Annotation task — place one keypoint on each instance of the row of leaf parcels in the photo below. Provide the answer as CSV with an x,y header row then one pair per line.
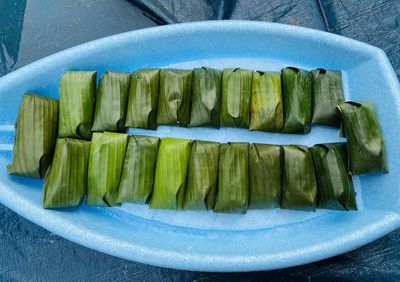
x,y
288,101
197,175
233,97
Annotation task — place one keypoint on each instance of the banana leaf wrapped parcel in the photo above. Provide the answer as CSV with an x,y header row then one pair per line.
x,y
233,178
365,144
299,181
174,97
203,176
206,97
143,99
265,176
171,174
77,103
137,177
297,100
66,182
335,186
111,102
235,99
106,160
327,95
35,136
266,102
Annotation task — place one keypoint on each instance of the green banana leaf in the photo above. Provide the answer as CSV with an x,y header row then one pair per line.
x,y
174,97
265,176
77,102
203,176
143,99
106,160
137,177
235,98
366,148
299,181
297,100
266,102
206,97
327,94
111,102
233,178
35,136
66,181
335,186
171,174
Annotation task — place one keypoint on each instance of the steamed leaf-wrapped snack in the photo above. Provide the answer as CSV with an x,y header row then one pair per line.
x,y
206,97
143,99
137,176
327,94
77,101
366,148
111,102
335,186
235,98
174,97
203,176
233,178
66,181
297,100
265,176
266,102
299,182
35,136
171,174
106,160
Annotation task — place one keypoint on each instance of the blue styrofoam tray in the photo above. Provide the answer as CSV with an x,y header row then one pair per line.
x,y
261,239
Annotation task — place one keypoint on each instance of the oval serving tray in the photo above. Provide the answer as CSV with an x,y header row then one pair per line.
x,y
260,239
